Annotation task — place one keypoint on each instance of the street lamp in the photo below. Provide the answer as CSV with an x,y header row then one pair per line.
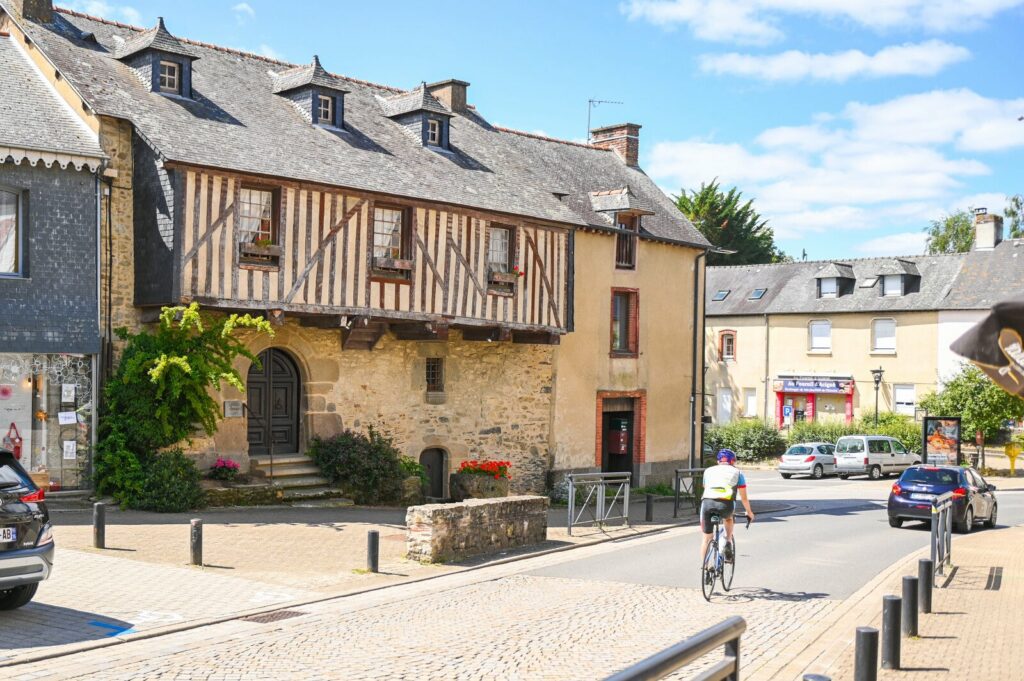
x,y
877,375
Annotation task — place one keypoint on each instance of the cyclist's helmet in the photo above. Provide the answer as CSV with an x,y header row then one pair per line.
x,y
726,456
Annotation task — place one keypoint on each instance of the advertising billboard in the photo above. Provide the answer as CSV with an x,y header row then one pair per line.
x,y
942,441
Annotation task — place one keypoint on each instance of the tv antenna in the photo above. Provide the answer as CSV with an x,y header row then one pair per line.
x,y
593,104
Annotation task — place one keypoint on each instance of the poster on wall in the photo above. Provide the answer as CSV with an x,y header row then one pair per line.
x,y
67,393
16,419
70,449
942,441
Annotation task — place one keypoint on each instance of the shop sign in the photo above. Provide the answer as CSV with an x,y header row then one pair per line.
x,y
813,385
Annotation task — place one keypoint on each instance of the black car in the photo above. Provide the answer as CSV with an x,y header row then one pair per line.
x,y
26,537
973,498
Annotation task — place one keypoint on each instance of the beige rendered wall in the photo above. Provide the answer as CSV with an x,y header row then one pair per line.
x,y
746,371
664,278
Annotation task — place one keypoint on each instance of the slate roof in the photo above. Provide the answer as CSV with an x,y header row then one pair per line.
x,y
156,38
416,100
897,266
987,277
792,290
835,269
614,200
32,116
302,76
238,123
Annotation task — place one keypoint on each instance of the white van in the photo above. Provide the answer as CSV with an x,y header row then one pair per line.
x,y
872,455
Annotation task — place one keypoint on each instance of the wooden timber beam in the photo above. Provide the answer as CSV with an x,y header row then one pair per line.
x,y
420,331
536,337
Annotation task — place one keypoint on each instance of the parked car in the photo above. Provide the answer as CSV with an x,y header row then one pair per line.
x,y
815,459
26,537
872,455
973,499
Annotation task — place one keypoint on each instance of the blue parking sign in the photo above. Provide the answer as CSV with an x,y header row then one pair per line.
x,y
787,411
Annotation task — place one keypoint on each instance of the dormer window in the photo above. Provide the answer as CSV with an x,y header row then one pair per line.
x,y
434,132
892,285
325,110
170,77
828,287
625,243
317,95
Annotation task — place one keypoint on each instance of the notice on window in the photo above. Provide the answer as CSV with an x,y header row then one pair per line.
x,y
67,418
67,392
70,449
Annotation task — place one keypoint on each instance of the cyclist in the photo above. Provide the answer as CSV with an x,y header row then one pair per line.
x,y
719,498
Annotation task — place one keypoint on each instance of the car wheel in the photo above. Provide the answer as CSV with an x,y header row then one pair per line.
x,y
786,476
991,522
917,463
18,596
968,523
817,472
895,522
844,476
875,473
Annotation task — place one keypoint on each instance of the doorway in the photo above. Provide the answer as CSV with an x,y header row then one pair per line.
x,y
725,406
617,442
433,460
272,394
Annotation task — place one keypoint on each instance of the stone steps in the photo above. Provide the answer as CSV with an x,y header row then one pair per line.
x,y
299,478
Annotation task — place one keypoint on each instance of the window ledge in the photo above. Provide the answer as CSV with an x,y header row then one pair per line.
x,y
618,354
436,397
884,353
259,267
825,353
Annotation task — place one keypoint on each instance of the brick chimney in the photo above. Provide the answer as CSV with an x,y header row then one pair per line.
x,y
451,93
988,230
623,139
40,11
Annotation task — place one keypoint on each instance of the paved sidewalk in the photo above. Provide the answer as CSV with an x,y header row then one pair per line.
x,y
971,632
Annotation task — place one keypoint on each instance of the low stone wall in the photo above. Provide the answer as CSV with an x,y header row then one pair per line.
x,y
446,532
244,495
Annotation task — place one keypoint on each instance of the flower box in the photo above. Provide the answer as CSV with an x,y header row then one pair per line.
x,y
464,486
503,277
403,264
258,251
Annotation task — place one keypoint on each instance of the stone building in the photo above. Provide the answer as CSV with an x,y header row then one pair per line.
x,y
50,165
799,341
470,290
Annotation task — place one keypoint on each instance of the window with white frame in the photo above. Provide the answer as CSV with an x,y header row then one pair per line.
x,y
434,132
728,349
892,285
499,256
820,335
829,287
750,402
170,77
387,233
256,216
904,398
325,110
883,335
10,234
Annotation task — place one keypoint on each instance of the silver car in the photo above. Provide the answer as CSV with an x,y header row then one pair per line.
x,y
815,459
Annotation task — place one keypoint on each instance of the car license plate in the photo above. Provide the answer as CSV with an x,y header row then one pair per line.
x,y
8,534
922,497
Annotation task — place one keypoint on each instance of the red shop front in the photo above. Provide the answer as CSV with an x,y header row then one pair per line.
x,y
803,398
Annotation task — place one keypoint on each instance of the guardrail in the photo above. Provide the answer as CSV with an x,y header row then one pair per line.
x,y
594,487
690,489
661,664
942,532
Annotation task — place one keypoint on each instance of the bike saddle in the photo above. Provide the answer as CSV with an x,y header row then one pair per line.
x,y
715,518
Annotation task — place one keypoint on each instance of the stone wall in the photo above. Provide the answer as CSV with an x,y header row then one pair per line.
x,y
447,532
244,495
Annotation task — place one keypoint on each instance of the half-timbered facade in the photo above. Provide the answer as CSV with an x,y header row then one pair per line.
x,y
419,264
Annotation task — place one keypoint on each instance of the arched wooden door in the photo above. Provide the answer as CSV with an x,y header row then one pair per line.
x,y
272,391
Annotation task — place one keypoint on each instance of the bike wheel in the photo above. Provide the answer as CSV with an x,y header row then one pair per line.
x,y
729,567
708,571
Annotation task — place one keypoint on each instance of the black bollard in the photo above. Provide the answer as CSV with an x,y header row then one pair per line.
x,y
195,542
925,580
99,525
865,664
650,508
910,607
373,551
891,632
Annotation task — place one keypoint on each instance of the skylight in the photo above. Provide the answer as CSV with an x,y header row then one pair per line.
x,y
869,282
757,294
721,295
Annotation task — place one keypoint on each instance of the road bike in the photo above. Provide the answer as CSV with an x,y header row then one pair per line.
x,y
715,566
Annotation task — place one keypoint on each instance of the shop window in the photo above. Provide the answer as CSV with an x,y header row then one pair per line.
x,y
820,336
11,234
883,336
625,313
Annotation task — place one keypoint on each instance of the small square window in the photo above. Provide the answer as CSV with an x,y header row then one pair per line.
x,y
170,77
434,132
435,374
757,294
892,285
721,295
325,110
829,287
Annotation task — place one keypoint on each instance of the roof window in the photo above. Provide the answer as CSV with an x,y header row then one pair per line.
x,y
869,282
721,295
757,294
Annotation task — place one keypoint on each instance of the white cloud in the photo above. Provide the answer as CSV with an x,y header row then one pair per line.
x,y
911,59
757,21
101,8
903,243
243,11
270,52
993,201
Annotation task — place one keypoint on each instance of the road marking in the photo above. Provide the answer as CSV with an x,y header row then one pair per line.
x,y
115,629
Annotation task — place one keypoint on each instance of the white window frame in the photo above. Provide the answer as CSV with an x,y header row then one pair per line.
x,y
729,355
750,402
876,347
811,347
433,132
499,248
14,249
170,77
907,407
887,282
834,290
329,101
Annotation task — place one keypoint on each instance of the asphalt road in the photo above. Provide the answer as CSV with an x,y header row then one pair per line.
x,y
833,541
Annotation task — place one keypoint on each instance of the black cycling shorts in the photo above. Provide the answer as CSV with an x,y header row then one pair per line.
x,y
709,507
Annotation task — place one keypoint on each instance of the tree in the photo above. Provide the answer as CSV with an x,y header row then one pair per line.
x,y
729,224
1014,214
977,400
953,233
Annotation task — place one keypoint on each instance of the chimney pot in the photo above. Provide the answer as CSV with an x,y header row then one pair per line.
x,y
988,230
40,11
451,93
623,139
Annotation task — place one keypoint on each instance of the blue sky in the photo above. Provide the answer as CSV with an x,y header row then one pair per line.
x,y
851,123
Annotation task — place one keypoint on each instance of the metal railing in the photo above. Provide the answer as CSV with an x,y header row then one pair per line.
x,y
594,487
725,634
942,532
690,489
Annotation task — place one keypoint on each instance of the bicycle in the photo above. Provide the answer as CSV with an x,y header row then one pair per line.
x,y
715,566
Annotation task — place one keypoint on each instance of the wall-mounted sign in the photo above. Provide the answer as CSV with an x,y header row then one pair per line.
x,y
67,418
233,409
829,386
942,441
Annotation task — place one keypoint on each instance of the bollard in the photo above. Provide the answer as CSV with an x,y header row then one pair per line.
x,y
195,542
373,551
865,666
891,632
910,607
99,525
925,580
650,508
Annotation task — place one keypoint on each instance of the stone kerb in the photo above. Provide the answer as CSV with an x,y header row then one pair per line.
x,y
447,532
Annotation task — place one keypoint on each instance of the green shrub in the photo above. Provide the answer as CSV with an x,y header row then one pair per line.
x,y
411,467
118,471
899,426
751,439
171,484
366,467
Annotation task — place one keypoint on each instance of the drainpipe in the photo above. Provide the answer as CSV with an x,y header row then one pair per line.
x,y
767,372
698,293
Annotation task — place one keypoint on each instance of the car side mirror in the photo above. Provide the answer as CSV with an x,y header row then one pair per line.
x,y
991,488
